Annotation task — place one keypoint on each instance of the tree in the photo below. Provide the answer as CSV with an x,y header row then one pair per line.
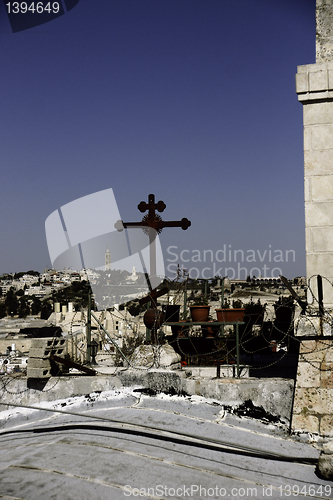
x,y
46,310
3,311
36,306
23,309
11,302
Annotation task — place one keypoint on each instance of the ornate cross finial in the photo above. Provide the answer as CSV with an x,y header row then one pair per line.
x,y
153,221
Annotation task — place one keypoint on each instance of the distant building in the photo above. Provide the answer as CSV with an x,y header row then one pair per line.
x,y
107,260
133,276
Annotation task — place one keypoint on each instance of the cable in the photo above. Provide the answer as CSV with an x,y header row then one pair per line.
x,y
171,436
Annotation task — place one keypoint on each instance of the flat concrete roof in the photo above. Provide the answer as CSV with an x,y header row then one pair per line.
x,y
118,444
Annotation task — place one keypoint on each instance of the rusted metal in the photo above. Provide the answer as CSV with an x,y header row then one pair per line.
x,y
153,295
152,221
320,295
302,303
71,364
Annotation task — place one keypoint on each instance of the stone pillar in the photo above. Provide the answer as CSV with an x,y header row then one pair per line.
x,y
314,86
313,401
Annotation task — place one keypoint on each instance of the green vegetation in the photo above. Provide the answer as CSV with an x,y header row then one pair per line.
x,y
23,308
22,273
134,307
11,302
77,293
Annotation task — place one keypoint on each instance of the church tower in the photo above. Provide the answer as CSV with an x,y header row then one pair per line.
x,y
107,260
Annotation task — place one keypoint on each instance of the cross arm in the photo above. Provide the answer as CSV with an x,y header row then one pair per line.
x,y
153,295
184,223
120,225
156,224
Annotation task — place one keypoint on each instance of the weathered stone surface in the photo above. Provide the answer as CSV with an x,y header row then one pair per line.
x,y
322,188
316,162
314,85
328,447
317,113
324,30
305,423
39,352
318,80
308,375
307,326
321,136
39,363
313,401
314,82
38,373
42,348
318,214
329,351
226,371
326,375
312,350
154,356
325,467
273,395
310,400
326,425
49,342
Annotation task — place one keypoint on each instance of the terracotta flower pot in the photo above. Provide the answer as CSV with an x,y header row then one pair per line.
x,y
230,315
200,313
172,313
153,318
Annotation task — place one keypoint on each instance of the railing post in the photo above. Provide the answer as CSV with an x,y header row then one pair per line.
x,y
237,349
88,327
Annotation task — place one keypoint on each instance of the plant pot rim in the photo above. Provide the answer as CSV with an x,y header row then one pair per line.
x,y
201,306
231,309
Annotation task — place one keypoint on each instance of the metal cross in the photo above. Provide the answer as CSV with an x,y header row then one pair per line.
x,y
152,224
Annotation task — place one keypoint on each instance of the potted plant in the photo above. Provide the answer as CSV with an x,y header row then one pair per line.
x,y
200,309
284,309
231,315
178,287
254,313
172,312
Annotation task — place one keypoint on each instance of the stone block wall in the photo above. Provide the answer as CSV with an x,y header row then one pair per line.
x,y
314,86
313,401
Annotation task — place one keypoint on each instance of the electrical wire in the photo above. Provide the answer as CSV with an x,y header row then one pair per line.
x,y
143,430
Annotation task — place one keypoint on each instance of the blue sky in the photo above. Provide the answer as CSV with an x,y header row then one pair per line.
x,y
192,100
